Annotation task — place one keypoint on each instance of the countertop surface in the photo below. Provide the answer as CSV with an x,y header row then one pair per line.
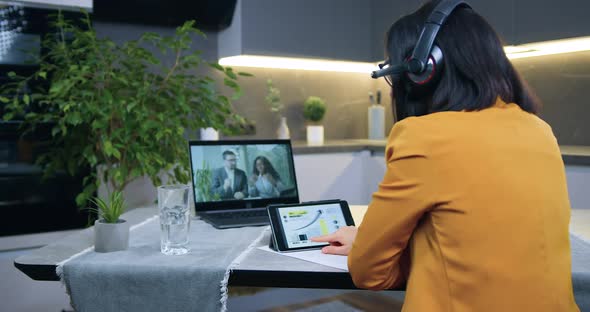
x,y
339,146
572,155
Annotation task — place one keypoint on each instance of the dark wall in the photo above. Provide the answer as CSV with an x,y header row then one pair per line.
x,y
516,21
336,29
562,82
120,32
346,94
384,13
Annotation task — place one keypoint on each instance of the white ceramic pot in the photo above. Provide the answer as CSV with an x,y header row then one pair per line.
x,y
209,134
111,236
315,135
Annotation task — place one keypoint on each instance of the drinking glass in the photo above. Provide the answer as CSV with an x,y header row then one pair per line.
x,y
174,219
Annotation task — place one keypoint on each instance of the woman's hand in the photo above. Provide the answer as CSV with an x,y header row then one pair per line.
x,y
252,180
340,241
270,179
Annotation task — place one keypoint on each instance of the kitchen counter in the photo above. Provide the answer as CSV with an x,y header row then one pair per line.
x,y
572,155
339,146
575,155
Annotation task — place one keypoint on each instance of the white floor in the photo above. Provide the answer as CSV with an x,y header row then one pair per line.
x,y
19,293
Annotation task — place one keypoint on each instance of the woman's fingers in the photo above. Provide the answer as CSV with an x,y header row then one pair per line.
x,y
326,238
340,241
336,250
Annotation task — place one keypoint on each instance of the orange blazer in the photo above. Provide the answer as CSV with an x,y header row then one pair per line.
x,y
472,215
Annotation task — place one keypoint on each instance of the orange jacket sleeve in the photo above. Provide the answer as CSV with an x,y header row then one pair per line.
x,y
404,195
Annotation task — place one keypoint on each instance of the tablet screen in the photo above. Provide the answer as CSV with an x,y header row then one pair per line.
x,y
302,223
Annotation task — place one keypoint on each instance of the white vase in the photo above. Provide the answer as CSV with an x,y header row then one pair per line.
x,y
111,236
209,134
315,135
283,132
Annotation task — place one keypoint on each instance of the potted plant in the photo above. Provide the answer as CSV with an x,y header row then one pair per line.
x,y
116,110
273,99
111,233
314,109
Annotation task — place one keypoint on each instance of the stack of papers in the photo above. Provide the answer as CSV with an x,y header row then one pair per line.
x,y
316,256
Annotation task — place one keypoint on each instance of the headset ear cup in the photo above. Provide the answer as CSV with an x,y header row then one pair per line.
x,y
433,70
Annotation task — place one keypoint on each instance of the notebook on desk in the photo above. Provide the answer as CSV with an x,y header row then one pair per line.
x,y
234,181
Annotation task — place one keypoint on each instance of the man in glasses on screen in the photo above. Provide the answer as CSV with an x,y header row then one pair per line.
x,y
228,181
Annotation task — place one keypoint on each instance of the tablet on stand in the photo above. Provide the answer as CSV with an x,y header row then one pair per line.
x,y
293,225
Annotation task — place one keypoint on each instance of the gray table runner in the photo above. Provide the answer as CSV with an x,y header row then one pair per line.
x,y
143,279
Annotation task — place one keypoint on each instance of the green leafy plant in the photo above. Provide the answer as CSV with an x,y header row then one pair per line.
x,y
109,211
273,98
117,109
314,109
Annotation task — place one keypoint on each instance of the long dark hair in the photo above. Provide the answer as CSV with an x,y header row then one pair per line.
x,y
476,70
267,166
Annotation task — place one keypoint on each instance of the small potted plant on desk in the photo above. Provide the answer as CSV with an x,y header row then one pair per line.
x,y
314,109
111,233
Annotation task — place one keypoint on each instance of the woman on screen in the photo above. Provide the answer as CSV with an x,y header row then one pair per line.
x,y
265,181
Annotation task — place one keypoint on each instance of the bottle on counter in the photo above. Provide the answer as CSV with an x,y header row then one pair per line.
x,y
376,117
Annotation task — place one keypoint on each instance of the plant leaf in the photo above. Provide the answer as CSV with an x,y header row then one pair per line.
x,y
216,66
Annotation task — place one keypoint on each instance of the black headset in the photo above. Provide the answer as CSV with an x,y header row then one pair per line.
x,y
425,65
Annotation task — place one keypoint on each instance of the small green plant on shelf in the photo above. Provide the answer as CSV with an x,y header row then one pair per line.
x,y
273,98
314,109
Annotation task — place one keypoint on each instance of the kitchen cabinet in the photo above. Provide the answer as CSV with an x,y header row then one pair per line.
x,y
516,21
355,30
383,14
330,29
500,14
541,20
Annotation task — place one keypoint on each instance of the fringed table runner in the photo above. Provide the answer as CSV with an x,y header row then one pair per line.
x,y
143,279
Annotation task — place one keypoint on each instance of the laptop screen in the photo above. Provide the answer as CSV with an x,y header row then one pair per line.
x,y
242,174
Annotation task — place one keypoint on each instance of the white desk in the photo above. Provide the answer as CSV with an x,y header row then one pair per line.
x,y
259,268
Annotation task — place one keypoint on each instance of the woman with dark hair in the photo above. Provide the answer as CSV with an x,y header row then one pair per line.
x,y
265,181
473,211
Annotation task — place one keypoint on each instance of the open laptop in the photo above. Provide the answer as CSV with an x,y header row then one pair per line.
x,y
234,181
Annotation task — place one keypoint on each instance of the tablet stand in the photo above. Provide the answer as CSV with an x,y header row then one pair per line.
x,y
271,244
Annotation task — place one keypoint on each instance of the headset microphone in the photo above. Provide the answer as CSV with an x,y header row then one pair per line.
x,y
390,71
423,68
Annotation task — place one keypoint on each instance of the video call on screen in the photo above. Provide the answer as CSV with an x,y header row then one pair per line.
x,y
242,172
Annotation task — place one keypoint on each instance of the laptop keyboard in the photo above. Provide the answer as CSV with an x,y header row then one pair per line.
x,y
241,214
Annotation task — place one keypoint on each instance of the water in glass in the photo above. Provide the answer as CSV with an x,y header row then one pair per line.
x,y
174,219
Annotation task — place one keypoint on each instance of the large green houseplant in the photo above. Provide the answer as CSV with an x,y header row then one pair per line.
x,y
117,109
